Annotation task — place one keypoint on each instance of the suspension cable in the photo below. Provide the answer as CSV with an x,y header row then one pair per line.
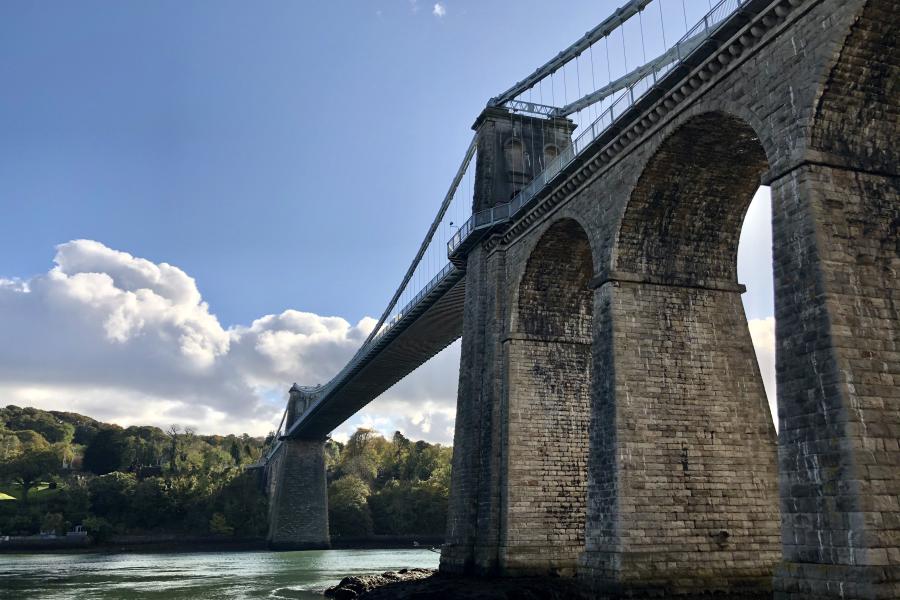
x,y
424,245
643,46
662,24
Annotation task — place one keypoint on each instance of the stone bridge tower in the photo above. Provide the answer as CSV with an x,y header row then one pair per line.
x,y
297,487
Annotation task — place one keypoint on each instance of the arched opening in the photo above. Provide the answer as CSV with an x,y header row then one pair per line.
x,y
686,411
683,220
549,357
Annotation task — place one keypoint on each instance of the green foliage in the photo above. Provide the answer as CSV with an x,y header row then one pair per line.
x,y
244,505
218,525
106,452
74,501
30,440
235,451
395,487
348,507
143,479
112,494
53,522
31,468
149,479
85,427
99,528
51,428
21,524
152,504
409,508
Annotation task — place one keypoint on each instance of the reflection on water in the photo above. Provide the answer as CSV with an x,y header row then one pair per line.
x,y
195,576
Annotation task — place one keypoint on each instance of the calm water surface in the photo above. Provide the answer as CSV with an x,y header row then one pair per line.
x,y
202,575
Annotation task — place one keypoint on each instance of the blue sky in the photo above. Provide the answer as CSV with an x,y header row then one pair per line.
x,y
283,154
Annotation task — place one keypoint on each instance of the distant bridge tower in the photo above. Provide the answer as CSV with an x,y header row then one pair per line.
x,y
297,488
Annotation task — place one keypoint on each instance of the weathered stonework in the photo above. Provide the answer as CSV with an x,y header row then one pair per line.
x,y
837,304
681,476
298,496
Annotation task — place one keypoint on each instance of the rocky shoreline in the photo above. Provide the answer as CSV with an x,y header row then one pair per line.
x,y
428,584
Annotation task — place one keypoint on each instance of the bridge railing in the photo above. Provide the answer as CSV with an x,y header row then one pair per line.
x,y
364,353
633,93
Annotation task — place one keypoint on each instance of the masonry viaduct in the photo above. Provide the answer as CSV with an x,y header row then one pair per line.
x,y
611,420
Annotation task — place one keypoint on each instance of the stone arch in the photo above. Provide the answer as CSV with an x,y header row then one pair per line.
x,y
549,375
683,220
679,403
538,273
855,115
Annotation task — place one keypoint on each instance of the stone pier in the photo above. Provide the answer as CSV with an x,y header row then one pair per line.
x,y
298,496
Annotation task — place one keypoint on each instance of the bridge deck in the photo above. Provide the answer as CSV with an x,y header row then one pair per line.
x,y
429,326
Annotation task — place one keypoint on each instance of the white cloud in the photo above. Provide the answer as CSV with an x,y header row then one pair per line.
x,y
763,333
126,340
439,9
123,339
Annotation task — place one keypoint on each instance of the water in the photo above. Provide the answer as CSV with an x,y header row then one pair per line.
x,y
297,575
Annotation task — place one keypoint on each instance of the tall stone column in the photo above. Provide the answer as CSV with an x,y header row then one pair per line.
x,y
682,484
473,527
837,306
512,149
298,497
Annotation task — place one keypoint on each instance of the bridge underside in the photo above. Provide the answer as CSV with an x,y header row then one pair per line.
x,y
436,324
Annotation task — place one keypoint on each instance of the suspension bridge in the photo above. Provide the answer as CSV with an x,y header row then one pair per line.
x,y
611,419
425,313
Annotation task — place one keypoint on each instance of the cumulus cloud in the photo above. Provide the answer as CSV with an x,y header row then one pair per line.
x,y
124,339
439,9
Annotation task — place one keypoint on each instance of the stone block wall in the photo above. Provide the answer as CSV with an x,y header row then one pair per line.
x,y
298,497
683,447
546,448
837,263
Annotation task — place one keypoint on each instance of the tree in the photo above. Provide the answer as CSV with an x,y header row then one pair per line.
x,y
358,458
51,428
348,507
31,440
106,452
244,505
111,495
235,452
31,468
179,439
218,525
99,528
53,523
152,503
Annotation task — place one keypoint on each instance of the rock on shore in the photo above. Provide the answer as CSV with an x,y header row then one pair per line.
x,y
354,587
427,584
